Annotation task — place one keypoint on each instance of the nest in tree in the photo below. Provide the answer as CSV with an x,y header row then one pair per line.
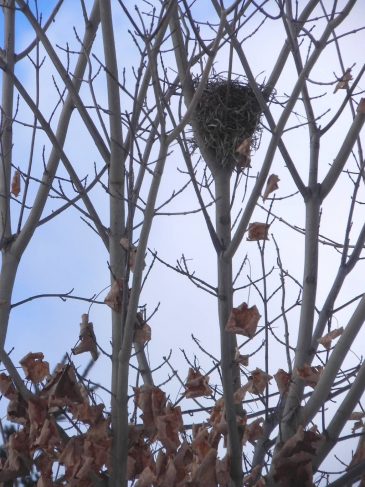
x,y
227,114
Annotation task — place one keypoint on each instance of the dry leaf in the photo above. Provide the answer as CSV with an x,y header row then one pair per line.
x,y
310,375
240,393
204,474
132,249
356,416
243,320
361,106
343,82
168,427
114,297
326,340
15,184
87,338
62,388
252,476
146,479
34,368
243,153
152,401
37,412
356,426
197,384
222,471
283,380
258,231
7,387
241,359
17,410
271,185
142,333
253,431
258,381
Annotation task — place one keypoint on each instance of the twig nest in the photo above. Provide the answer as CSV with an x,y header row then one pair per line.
x,y
227,117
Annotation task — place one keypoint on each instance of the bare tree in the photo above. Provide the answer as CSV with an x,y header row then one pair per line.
x,y
245,115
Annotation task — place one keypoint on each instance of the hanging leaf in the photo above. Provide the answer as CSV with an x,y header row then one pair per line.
x,y
15,184
62,388
310,375
356,415
243,153
204,474
271,185
142,333
326,340
146,479
152,401
241,359
87,338
37,412
132,249
222,471
258,231
34,368
7,387
283,380
197,384
343,83
253,431
17,411
258,381
243,320
114,297
168,427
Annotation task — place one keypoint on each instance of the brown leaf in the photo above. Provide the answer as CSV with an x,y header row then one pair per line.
x,y
252,477
152,401
241,359
326,340
310,375
271,185
37,412
243,153
343,82
34,368
7,387
15,184
356,415
17,410
197,384
204,474
243,320
258,231
142,333
361,106
71,456
86,413
124,242
62,388
222,471
356,426
283,380
168,426
169,477
240,393
146,479
258,381
200,443
114,297
253,431
49,439
87,338
18,451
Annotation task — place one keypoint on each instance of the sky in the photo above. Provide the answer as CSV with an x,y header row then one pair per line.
x,y
65,254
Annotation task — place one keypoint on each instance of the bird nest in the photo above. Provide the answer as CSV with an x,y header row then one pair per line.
x,y
227,116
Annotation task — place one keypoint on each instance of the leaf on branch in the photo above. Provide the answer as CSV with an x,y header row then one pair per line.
x,y
271,185
241,359
86,413
168,426
146,479
343,82
243,320
243,153
114,297
310,375
34,368
132,249
166,472
253,476
258,381
18,451
152,401
17,410
222,471
15,184
283,380
37,412
200,443
253,431
258,231
240,393
142,333
197,384
356,426
139,457
204,474
361,106
7,387
326,340
49,439
87,338
62,388
71,456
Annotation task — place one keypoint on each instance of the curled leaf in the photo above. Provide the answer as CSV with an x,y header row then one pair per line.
x,y
34,368
243,320
114,297
258,381
87,338
258,231
326,340
282,379
243,153
197,384
343,82
7,387
271,185
142,333
310,375
132,249
241,359
253,431
15,184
